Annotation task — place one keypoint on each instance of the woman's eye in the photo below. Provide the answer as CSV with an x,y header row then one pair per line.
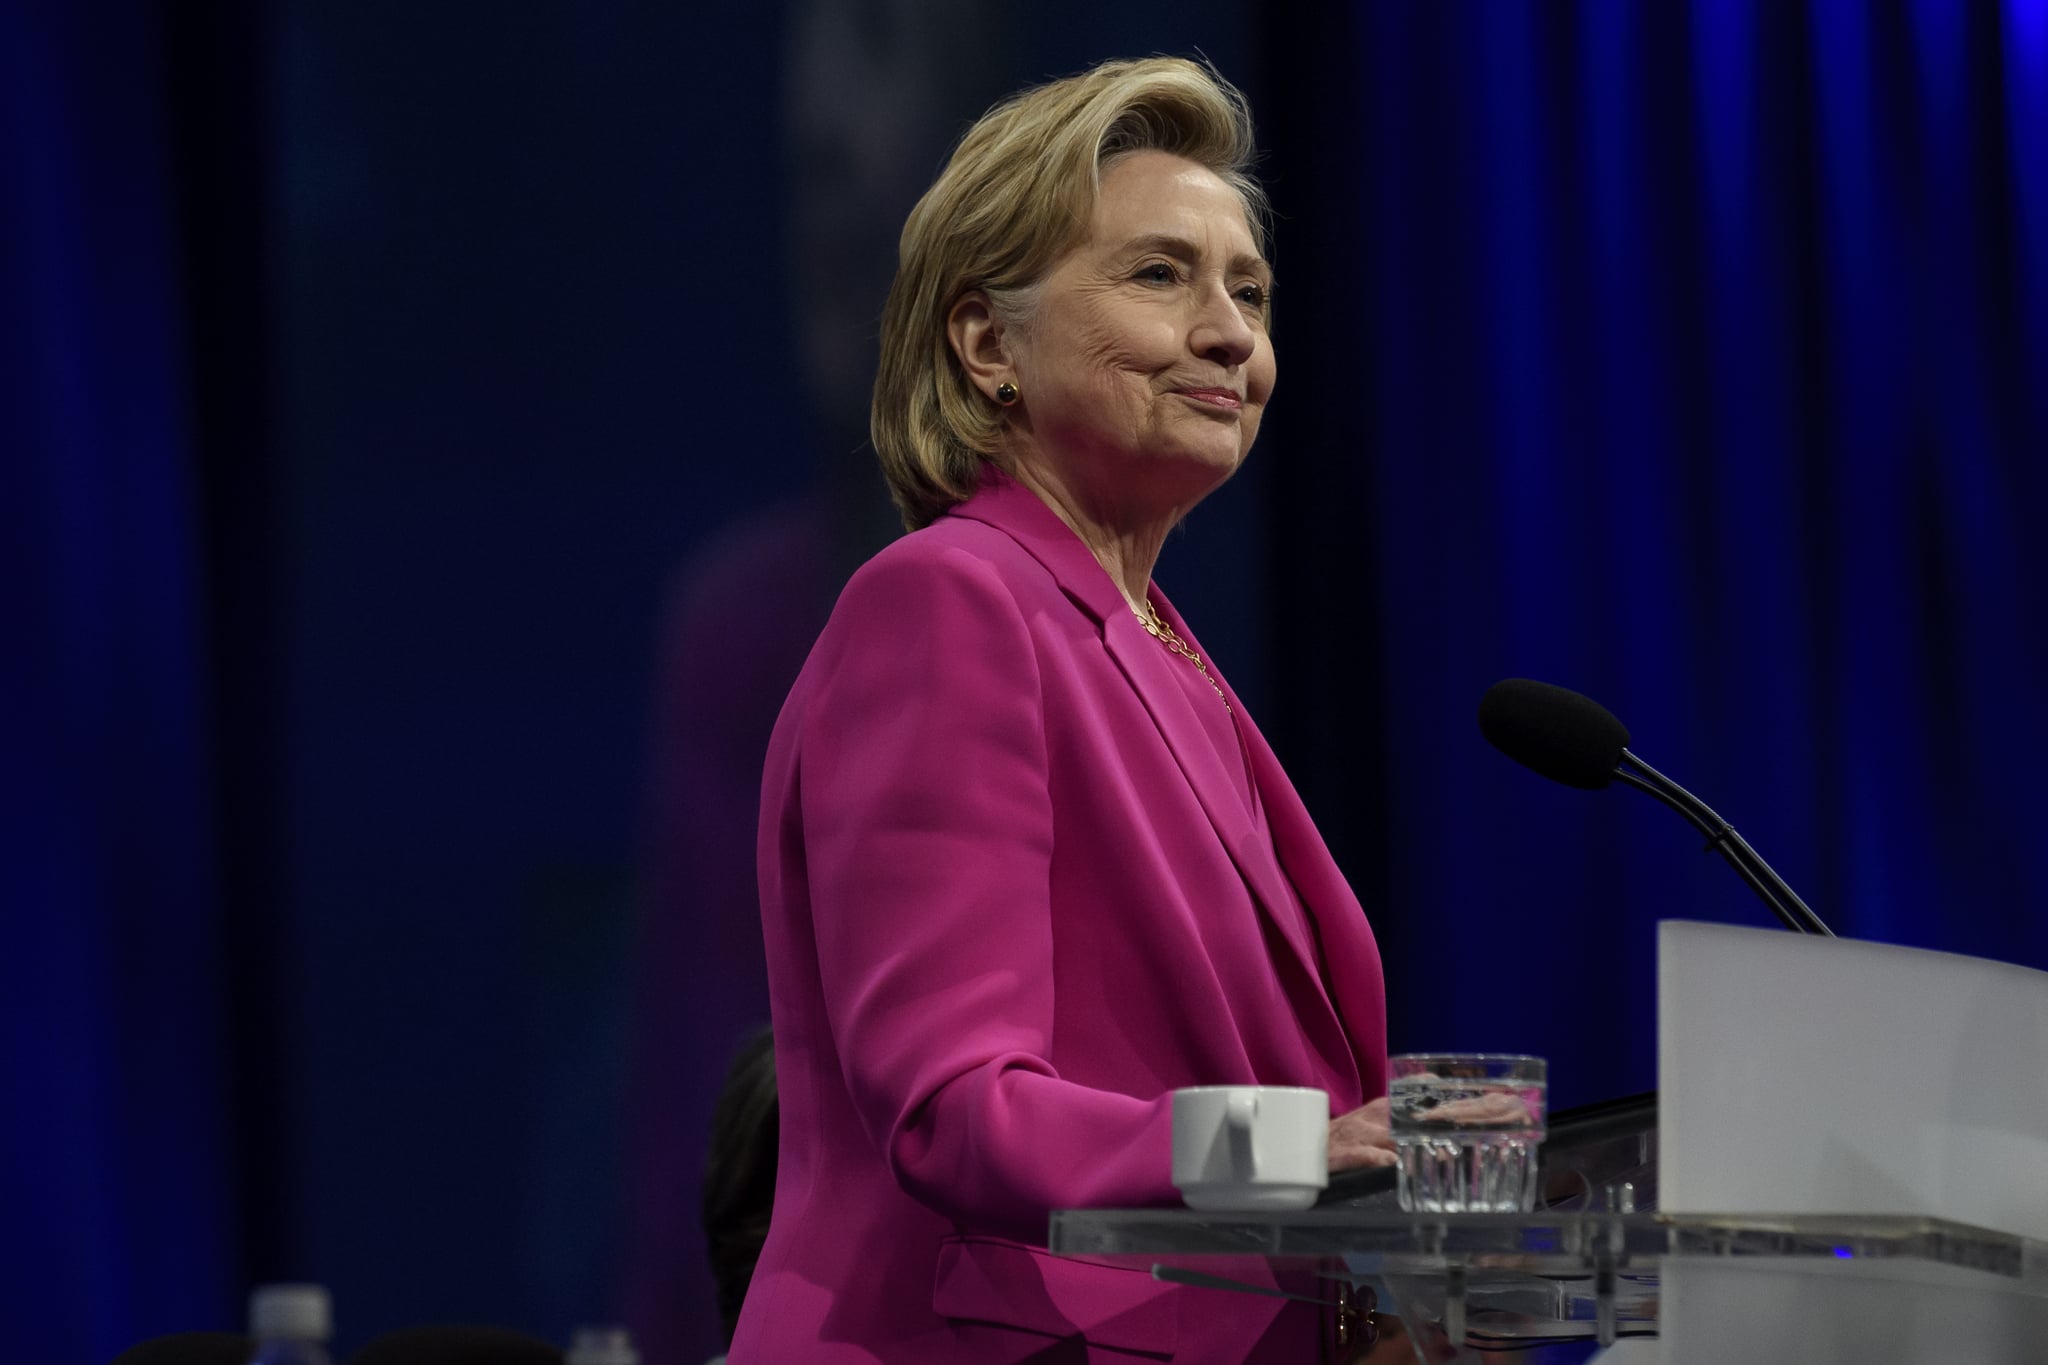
x,y
1158,272
1252,296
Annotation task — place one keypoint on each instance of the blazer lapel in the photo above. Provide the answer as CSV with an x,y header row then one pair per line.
x,y
1017,511
1150,665
1356,985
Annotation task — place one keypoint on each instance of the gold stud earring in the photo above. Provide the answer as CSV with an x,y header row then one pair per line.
x,y
1006,393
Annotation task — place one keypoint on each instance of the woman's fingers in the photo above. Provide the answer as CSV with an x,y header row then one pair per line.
x,y
1361,1138
1495,1107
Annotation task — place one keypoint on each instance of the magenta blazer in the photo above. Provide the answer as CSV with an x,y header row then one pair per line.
x,y
1012,900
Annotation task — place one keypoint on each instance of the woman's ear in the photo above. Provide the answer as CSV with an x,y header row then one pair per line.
x,y
981,342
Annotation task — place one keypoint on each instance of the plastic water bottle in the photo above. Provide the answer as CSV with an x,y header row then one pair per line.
x,y
601,1346
291,1324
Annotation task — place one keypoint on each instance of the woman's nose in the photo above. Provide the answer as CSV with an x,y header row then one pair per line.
x,y
1221,331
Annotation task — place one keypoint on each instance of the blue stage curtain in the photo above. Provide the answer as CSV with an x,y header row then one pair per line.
x,y
115,1172
1691,356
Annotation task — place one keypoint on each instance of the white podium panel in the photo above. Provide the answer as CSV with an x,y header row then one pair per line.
x,y
1811,1075
1785,1312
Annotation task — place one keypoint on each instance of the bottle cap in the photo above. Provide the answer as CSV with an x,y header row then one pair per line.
x,y
602,1346
303,1312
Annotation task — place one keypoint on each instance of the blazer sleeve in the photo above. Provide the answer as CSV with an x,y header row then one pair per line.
x,y
927,833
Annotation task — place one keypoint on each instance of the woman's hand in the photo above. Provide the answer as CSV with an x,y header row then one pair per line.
x,y
1361,1138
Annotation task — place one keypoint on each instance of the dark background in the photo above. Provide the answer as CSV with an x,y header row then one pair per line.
x,y
429,439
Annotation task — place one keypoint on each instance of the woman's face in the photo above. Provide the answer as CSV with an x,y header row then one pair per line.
x,y
1145,365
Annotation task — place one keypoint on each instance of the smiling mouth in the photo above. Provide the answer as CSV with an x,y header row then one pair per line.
x,y
1223,400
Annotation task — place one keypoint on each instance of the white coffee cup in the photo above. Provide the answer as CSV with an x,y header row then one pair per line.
x,y
1250,1148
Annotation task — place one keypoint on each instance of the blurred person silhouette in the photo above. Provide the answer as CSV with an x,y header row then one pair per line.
x,y
189,1348
873,92
739,1175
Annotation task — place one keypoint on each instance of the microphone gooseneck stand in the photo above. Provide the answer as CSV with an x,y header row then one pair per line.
x,y
1721,838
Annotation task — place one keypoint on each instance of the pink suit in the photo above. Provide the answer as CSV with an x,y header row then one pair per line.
x,y
1013,895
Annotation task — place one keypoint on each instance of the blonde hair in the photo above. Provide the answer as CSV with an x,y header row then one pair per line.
x,y
1018,192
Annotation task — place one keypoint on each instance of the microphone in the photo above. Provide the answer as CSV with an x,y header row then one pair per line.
x,y
1573,739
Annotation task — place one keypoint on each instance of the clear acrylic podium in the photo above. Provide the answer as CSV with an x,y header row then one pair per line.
x,y
1511,1281
1847,1160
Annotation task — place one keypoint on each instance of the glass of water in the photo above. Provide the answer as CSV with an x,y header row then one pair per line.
x,y
1467,1127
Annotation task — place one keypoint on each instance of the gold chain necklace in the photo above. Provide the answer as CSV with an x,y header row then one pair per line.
x,y
1165,634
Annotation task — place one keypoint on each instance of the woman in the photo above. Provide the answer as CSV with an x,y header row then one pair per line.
x,y
1026,864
